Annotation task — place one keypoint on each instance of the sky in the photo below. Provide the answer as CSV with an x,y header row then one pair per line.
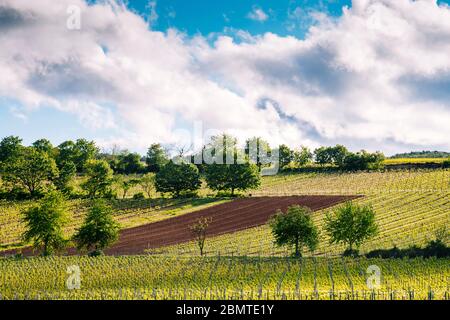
x,y
369,74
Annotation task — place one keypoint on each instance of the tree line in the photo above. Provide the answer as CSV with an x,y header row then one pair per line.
x,y
31,171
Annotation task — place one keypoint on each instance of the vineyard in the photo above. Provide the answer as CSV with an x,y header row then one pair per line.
x,y
222,277
409,205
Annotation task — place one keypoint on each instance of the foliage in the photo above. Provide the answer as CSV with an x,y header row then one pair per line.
x,y
199,229
67,173
220,177
156,158
257,151
30,170
99,178
363,160
78,152
422,154
175,178
303,157
286,156
295,228
126,184
129,163
331,155
45,222
44,145
351,224
10,148
147,183
99,229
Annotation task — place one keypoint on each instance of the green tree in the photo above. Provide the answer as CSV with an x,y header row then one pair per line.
x,y
147,183
303,157
351,225
286,156
338,154
79,152
221,177
257,151
45,222
30,170
99,230
177,178
295,228
99,178
43,145
67,173
10,148
323,155
156,158
363,160
126,184
129,163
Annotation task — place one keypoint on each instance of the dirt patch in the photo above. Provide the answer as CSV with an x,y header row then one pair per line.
x,y
228,217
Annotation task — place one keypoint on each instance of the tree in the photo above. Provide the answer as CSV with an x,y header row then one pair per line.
x,y
286,156
147,183
99,230
338,154
351,225
323,155
30,169
177,178
303,157
10,148
129,163
199,229
295,228
126,184
43,145
45,222
220,177
257,151
363,160
99,178
67,173
79,152
156,158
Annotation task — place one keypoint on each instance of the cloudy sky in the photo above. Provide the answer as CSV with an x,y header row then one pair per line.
x,y
372,74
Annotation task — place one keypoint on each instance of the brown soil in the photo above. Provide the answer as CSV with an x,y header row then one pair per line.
x,y
228,217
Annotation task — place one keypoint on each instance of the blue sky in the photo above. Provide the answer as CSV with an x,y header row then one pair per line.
x,y
347,83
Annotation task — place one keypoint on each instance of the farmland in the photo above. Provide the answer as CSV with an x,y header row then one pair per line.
x,y
409,205
222,277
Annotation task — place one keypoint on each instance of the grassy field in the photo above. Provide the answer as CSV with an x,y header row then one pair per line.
x,y
147,277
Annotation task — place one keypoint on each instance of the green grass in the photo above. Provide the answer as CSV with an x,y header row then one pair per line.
x,y
147,277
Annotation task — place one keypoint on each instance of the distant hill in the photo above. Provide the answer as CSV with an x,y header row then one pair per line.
x,y
422,154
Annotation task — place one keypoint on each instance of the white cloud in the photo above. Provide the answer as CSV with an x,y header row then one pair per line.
x,y
378,77
258,14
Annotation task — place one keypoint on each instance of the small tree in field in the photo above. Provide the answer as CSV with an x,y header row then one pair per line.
x,y
44,223
99,178
295,228
148,183
99,229
351,225
198,229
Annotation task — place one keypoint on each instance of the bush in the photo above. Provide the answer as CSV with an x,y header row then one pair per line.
x,y
139,196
